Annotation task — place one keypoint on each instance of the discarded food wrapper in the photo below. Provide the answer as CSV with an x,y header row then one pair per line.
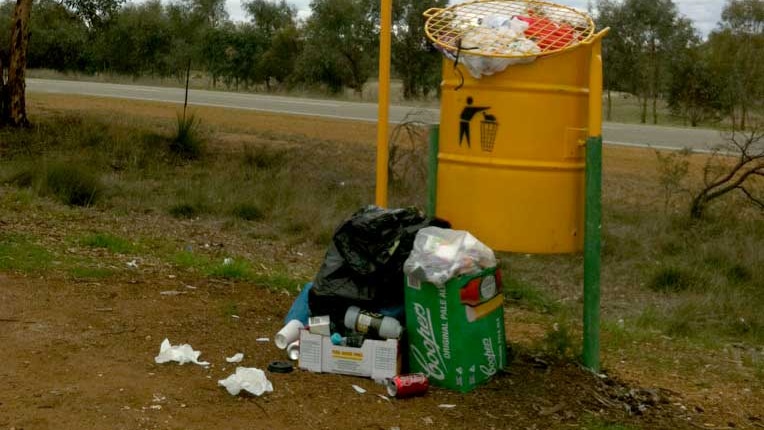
x,y
181,353
236,358
250,379
358,389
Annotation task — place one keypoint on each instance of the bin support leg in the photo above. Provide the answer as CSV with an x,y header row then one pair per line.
x,y
592,246
432,170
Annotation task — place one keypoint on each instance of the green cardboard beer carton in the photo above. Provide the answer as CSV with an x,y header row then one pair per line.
x,y
456,330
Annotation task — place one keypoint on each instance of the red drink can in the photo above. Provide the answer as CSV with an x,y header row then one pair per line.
x,y
410,385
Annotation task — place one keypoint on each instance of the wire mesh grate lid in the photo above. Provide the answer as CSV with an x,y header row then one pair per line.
x,y
507,28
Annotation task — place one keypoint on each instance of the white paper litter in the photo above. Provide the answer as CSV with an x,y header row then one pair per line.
x,y
236,358
262,339
250,379
181,353
358,389
446,406
383,397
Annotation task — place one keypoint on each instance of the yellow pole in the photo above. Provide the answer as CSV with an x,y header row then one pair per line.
x,y
383,100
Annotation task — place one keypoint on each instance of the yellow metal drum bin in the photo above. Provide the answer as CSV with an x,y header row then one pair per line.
x,y
511,147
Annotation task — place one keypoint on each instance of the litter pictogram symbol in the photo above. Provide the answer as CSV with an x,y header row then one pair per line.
x,y
488,126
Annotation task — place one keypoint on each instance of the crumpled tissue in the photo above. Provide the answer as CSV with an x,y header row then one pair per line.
x,y
250,379
181,353
236,358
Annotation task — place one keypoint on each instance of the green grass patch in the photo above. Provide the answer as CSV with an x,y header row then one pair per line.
x,y
108,241
187,143
190,260
20,253
526,295
231,269
279,281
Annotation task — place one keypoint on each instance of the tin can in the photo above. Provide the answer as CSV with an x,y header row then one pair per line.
x,y
401,386
293,350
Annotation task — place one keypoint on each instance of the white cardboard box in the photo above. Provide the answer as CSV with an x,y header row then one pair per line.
x,y
377,359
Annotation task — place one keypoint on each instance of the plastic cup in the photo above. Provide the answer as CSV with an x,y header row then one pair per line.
x,y
288,334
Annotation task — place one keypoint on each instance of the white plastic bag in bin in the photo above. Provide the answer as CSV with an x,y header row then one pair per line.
x,y
440,254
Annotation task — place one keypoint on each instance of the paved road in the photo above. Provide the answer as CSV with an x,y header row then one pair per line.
x,y
614,133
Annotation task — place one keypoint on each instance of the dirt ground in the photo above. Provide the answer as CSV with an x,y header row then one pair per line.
x,y
81,355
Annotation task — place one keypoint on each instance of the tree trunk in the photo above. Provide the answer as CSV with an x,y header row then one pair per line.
x,y
643,113
609,115
656,87
16,86
3,94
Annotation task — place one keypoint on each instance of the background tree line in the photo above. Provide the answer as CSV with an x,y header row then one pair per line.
x,y
652,52
335,48
655,54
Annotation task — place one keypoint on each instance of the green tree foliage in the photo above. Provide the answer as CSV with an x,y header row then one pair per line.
x,y
737,58
206,13
414,60
275,26
60,38
619,54
340,44
653,32
142,33
693,92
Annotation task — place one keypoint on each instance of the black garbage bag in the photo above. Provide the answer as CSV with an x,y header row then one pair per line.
x,y
364,263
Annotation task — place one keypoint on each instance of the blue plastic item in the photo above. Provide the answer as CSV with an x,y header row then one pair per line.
x,y
336,339
300,310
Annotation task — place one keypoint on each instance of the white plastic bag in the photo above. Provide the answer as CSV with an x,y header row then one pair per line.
x,y
500,36
440,254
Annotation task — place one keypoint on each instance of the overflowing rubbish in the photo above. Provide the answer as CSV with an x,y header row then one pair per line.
x,y
180,353
441,254
499,36
363,265
353,354
249,379
454,310
491,35
288,334
385,277
236,358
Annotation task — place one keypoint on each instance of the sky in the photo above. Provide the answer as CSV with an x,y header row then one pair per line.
x,y
705,13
